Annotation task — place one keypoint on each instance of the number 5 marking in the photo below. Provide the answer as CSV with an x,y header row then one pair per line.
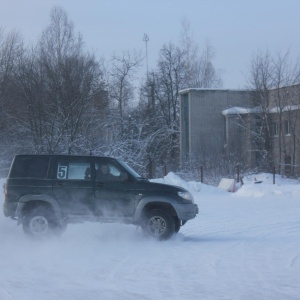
x,y
62,172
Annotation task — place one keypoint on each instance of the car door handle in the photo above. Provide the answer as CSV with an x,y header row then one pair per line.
x,y
100,184
60,183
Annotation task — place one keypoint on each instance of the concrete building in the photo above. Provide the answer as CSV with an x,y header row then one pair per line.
x,y
204,129
218,123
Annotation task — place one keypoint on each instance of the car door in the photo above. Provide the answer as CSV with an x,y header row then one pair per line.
x,y
114,191
73,185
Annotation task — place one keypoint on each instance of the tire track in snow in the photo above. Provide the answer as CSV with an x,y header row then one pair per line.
x,y
293,260
160,280
5,295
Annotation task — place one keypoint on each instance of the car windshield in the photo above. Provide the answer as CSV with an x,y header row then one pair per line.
x,y
129,169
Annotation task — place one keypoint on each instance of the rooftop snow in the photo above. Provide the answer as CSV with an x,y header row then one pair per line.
x,y
244,110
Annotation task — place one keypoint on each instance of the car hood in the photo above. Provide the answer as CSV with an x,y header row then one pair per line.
x,y
154,186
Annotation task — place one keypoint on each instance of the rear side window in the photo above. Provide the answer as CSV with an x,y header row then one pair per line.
x,y
73,170
30,167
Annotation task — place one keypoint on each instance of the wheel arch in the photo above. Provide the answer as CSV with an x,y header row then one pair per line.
x,y
150,203
167,207
27,202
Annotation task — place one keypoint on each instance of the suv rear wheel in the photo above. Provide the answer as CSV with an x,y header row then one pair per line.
x,y
158,224
40,221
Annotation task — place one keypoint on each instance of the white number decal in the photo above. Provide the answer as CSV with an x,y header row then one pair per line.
x,y
62,172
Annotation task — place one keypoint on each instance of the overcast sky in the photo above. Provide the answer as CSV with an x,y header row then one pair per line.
x,y
235,28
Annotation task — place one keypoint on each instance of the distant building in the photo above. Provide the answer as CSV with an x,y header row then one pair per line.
x,y
219,123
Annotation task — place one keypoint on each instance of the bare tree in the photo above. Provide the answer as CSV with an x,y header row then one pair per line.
x,y
122,76
59,83
272,78
11,52
199,68
260,80
285,75
178,67
159,109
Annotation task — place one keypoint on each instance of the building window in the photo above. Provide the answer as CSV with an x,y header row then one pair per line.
x,y
274,128
287,128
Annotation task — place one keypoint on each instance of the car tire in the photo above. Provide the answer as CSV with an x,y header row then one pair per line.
x,y
40,222
158,224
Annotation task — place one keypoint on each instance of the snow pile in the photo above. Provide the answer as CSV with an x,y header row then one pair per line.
x,y
256,185
262,186
193,187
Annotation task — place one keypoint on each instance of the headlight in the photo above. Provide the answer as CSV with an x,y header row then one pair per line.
x,y
186,196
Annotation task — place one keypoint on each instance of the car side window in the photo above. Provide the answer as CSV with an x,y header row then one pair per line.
x,y
30,167
73,170
107,172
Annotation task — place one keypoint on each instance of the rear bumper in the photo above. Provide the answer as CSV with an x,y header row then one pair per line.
x,y
186,211
9,209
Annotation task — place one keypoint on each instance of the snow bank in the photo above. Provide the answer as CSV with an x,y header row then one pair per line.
x,y
283,187
265,188
193,187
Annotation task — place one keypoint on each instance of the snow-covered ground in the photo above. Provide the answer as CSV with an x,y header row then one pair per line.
x,y
243,245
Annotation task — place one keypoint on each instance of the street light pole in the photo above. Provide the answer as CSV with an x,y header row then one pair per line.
x,y
146,39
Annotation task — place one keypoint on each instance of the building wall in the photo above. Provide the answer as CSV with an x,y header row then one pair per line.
x,y
239,130
285,107
288,95
205,132
286,145
203,126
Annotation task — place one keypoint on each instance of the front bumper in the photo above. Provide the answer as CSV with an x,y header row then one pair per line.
x,y
186,211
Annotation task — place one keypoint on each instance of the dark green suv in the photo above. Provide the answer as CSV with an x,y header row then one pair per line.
x,y
46,192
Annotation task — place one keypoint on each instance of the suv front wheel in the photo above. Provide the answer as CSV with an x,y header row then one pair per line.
x,y
40,221
158,224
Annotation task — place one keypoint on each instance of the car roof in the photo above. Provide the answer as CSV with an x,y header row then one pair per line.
x,y
64,155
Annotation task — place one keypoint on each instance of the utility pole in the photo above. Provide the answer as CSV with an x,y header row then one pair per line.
x,y
146,39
